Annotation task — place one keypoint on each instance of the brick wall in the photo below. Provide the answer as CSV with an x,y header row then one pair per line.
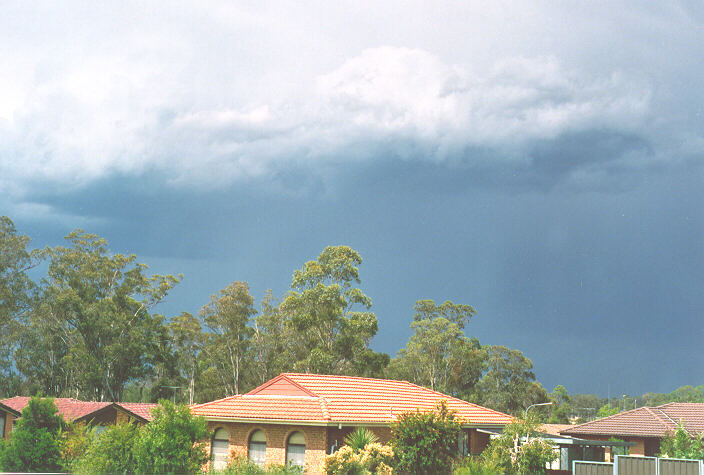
x,y
9,419
276,437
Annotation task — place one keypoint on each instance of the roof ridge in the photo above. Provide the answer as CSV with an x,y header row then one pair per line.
x,y
324,408
367,378
658,416
682,423
605,418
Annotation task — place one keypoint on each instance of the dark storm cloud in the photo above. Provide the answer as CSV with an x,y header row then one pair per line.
x,y
541,162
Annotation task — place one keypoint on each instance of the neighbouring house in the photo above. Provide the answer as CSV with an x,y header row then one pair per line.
x,y
567,449
299,418
644,427
8,415
97,414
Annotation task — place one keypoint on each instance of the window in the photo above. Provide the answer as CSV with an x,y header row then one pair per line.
x,y
296,450
463,443
220,449
257,447
2,426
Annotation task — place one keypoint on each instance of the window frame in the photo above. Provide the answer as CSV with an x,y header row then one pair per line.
x,y
260,445
219,464
288,452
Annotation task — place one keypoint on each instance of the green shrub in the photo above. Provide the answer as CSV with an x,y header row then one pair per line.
x,y
75,441
374,458
35,442
172,442
243,466
681,444
518,451
426,442
109,452
360,438
476,466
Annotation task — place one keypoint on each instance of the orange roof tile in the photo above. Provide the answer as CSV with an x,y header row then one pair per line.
x,y
338,399
70,409
139,409
645,421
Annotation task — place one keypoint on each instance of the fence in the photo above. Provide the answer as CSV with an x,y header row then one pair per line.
x,y
631,465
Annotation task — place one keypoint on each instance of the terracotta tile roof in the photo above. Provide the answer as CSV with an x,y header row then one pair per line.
x,y
70,409
6,408
139,409
553,429
336,399
645,421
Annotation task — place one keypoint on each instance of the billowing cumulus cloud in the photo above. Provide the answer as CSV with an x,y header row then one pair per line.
x,y
184,96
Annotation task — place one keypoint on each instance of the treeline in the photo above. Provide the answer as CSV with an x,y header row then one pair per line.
x,y
87,329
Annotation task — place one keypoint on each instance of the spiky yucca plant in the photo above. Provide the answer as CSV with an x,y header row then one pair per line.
x,y
360,438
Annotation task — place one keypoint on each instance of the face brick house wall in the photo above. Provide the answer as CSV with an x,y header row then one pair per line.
x,y
9,421
276,438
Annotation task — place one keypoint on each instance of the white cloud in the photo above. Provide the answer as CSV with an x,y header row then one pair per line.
x,y
210,96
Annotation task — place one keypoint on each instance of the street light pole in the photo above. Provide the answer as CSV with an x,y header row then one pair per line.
x,y
525,415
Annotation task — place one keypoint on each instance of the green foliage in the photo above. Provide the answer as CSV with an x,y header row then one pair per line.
x,y
372,458
111,452
438,355
561,408
35,442
607,410
74,442
683,445
426,442
16,291
227,316
330,315
172,442
476,466
360,438
518,451
244,466
509,385
91,330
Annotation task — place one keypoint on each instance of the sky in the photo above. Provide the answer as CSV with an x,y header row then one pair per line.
x,y
540,161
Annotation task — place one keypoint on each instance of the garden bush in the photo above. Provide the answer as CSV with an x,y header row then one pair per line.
x,y
35,442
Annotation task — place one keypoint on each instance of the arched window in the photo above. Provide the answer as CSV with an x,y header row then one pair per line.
x,y
220,448
257,447
296,450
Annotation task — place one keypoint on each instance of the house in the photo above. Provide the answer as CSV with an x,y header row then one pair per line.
x,y
644,427
97,414
299,418
8,415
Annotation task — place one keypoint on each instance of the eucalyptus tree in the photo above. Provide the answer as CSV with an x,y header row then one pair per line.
x,y
187,339
228,318
16,289
98,305
330,315
438,355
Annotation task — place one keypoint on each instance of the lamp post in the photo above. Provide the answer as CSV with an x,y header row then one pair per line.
x,y
525,415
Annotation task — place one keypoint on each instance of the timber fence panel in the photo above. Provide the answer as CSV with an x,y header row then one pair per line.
x,y
592,468
678,467
634,465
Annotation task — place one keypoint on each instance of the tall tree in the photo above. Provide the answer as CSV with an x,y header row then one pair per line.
x,y
438,355
187,338
16,289
330,314
228,316
99,304
271,341
509,384
561,408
